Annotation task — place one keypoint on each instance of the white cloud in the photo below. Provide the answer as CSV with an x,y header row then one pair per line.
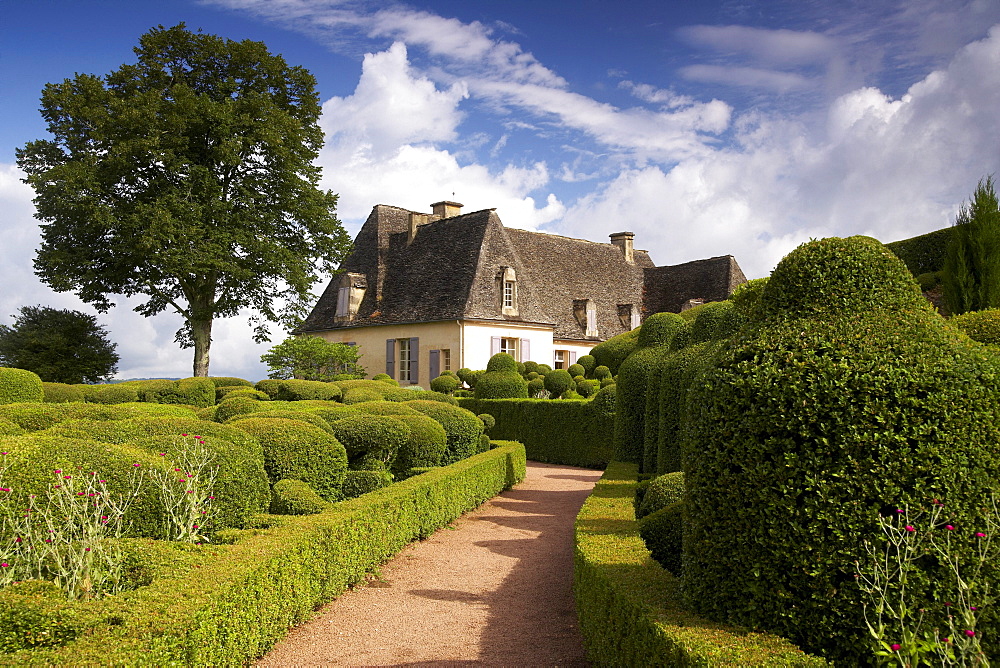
x,y
887,168
774,47
749,77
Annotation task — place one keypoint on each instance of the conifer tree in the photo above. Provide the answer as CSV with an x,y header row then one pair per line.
x,y
972,263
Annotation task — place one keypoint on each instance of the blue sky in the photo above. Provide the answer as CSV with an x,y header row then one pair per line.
x,y
710,128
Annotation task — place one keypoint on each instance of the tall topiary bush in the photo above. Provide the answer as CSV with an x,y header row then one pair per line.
x,y
851,399
462,427
614,351
502,380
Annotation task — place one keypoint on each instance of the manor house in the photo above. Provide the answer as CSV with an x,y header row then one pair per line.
x,y
424,293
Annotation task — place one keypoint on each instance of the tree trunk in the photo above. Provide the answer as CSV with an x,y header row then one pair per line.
x,y
201,333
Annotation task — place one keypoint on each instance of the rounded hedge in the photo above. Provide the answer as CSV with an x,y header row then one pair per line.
x,y
659,329
558,382
20,386
384,408
488,421
32,461
298,450
230,407
8,428
661,492
501,385
299,390
502,362
412,393
269,386
302,416
576,370
615,350
424,447
372,441
241,487
229,381
982,326
837,275
357,395
361,482
717,320
807,431
383,377
333,413
294,497
445,384
113,394
663,532
588,363
462,427
587,388
536,387
530,367
469,377
602,372
746,300
230,392
61,393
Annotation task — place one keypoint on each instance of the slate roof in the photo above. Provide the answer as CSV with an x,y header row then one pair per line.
x,y
714,279
451,271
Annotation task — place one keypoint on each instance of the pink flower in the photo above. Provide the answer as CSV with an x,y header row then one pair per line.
x,y
980,534
947,604
895,647
910,528
945,640
137,465
970,634
58,470
973,607
899,511
949,527
67,477
4,564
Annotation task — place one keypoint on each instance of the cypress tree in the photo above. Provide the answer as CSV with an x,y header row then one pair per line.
x,y
972,262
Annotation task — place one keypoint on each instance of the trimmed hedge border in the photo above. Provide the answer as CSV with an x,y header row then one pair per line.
x,y
628,605
239,600
574,433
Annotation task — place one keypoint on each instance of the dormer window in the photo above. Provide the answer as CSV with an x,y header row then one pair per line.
x,y
350,292
585,312
507,280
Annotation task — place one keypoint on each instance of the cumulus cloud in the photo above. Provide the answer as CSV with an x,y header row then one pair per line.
x,y
890,168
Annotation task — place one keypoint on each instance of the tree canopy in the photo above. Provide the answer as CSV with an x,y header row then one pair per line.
x,y
312,358
971,274
60,345
187,178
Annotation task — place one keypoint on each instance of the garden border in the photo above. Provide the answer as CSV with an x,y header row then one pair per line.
x,y
244,597
629,606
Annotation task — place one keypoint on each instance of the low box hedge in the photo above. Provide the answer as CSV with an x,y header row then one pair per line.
x,y
229,604
629,606
575,433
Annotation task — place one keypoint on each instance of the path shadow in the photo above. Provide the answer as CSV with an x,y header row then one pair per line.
x,y
532,615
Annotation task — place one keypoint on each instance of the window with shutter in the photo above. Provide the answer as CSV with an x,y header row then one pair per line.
x,y
390,357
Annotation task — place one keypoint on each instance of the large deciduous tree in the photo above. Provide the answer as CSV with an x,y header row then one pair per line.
x,y
187,178
60,345
971,274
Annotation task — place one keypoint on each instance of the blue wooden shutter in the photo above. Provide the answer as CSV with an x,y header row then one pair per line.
x,y
525,350
495,345
414,360
390,357
434,364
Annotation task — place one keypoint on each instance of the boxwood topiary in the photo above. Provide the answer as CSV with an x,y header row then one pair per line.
x,y
20,386
634,378
357,395
488,421
113,394
333,413
602,372
32,461
663,531
239,405
614,351
361,482
499,384
384,378
445,384
982,326
295,449
502,362
239,391
294,497
660,492
303,416
298,390
717,320
241,488
412,393
229,381
462,427
557,383
61,393
269,386
576,370
372,441
384,408
810,427
588,363
536,388
425,445
8,428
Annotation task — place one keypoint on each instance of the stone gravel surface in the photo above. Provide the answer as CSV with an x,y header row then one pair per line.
x,y
494,588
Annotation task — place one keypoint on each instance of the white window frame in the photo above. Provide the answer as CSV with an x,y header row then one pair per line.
x,y
445,359
403,359
509,294
510,345
559,359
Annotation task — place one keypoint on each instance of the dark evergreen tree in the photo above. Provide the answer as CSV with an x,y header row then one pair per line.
x,y
60,345
971,279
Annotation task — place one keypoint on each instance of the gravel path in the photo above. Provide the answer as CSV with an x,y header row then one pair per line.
x,y
493,588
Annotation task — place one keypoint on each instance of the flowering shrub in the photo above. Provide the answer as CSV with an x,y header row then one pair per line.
x,y
65,536
186,489
902,631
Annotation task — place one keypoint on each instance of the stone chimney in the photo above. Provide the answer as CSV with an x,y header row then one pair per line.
x,y
416,220
446,209
624,241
